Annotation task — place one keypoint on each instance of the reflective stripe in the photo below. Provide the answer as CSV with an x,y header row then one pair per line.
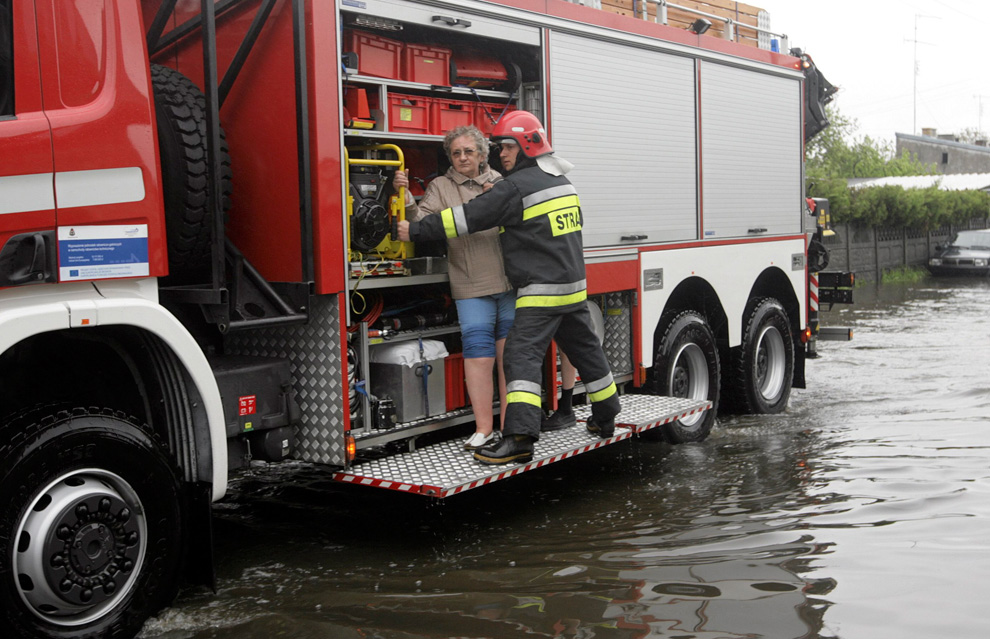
x,y
599,384
602,394
449,229
101,186
460,220
568,201
520,397
454,221
548,194
40,191
545,301
523,385
553,289
23,193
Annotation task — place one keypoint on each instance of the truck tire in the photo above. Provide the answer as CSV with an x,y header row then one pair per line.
x,y
687,365
91,531
763,366
180,109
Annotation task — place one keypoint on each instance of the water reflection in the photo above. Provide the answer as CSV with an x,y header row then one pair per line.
x,y
860,512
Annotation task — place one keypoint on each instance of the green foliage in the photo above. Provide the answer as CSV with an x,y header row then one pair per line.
x,y
835,155
911,208
904,275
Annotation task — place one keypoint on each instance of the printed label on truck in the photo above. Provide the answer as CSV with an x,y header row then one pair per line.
x,y
101,252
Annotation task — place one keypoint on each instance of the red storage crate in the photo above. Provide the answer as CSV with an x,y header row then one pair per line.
x,y
450,114
457,396
477,69
485,112
427,64
377,56
408,113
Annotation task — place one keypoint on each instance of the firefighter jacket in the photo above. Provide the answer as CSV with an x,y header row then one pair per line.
x,y
540,218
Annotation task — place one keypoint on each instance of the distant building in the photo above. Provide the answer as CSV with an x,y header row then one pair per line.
x,y
946,152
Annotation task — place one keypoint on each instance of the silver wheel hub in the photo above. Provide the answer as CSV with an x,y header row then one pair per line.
x,y
771,361
689,378
79,544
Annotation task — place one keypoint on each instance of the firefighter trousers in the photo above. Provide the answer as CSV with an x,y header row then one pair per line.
x,y
525,349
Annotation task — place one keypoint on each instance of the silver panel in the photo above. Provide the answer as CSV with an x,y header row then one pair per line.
x,y
751,152
618,333
625,116
446,468
318,370
446,18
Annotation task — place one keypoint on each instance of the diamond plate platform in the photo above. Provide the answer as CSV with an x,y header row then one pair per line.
x,y
446,469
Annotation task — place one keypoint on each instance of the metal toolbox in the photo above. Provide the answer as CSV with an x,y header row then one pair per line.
x,y
418,391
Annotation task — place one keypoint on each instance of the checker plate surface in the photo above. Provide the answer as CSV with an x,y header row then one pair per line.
x,y
318,370
445,469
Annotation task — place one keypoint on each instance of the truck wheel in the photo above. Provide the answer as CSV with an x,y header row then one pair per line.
x,y
180,109
687,366
91,534
764,364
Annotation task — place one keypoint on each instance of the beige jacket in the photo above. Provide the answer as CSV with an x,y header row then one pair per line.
x,y
475,260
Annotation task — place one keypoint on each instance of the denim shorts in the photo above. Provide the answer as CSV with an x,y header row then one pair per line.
x,y
484,321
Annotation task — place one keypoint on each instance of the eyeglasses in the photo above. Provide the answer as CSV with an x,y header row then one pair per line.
x,y
463,152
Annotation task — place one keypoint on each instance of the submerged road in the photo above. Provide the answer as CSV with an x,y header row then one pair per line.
x,y
861,512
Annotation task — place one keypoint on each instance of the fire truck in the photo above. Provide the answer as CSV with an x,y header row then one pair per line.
x,y
199,265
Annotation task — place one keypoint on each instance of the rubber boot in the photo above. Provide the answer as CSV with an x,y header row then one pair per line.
x,y
604,429
559,420
512,448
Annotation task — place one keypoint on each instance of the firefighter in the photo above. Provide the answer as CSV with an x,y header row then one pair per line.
x,y
540,216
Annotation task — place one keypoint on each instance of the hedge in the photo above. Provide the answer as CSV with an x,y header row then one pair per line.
x,y
896,206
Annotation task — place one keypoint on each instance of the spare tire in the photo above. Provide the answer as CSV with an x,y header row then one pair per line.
x,y
180,108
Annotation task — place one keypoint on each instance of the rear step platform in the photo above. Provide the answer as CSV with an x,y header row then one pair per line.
x,y
446,469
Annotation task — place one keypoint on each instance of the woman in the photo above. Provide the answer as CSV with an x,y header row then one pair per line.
x,y
485,300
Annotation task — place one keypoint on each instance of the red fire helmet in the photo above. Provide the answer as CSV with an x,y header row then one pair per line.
x,y
524,129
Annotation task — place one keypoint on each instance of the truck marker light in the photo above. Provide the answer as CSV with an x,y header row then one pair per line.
x,y
806,335
351,447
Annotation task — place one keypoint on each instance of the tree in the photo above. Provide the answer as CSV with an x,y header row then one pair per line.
x,y
972,135
836,153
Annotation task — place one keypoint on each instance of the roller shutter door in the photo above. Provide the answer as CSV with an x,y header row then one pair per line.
x,y
751,146
625,116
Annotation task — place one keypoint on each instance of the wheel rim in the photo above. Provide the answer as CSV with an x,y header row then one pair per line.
x,y
771,360
689,378
80,545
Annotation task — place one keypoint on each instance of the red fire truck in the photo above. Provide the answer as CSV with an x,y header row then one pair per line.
x,y
198,263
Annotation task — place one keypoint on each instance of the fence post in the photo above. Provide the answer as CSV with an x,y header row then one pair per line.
x,y
904,252
876,253
849,259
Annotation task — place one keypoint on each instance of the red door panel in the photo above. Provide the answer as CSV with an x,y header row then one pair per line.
x,y
27,195
95,79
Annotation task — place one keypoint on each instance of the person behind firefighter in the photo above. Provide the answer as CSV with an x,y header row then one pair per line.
x,y
484,298
540,216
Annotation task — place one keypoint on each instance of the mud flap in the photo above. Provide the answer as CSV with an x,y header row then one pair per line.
x,y
800,355
200,568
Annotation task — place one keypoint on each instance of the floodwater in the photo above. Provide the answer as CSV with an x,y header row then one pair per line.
x,y
863,512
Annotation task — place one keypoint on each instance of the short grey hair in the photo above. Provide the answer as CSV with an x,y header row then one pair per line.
x,y
480,141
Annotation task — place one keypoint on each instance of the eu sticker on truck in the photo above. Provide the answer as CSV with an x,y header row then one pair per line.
x,y
101,252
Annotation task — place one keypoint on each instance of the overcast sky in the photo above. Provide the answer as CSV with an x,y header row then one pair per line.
x,y
865,47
